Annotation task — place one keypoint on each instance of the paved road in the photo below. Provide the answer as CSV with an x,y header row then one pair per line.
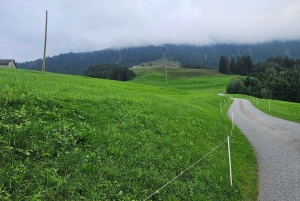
x,y
277,146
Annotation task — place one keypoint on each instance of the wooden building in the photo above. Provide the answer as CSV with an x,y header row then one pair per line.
x,y
10,63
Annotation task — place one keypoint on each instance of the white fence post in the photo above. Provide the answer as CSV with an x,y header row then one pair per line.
x,y
229,157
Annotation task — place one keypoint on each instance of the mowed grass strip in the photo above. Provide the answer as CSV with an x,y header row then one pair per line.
x,y
76,138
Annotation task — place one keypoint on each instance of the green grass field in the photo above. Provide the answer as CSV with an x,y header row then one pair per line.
x,y
281,109
160,63
141,70
185,79
69,137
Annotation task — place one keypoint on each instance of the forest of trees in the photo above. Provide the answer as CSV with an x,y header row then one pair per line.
x,y
242,65
76,63
190,56
110,71
276,78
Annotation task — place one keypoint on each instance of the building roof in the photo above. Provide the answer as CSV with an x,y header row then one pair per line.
x,y
7,61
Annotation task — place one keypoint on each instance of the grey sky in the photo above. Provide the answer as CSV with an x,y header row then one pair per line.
x,y
123,23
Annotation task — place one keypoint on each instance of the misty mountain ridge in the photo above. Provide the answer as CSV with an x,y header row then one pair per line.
x,y
188,55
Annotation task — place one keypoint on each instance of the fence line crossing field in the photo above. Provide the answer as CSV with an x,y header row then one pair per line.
x,y
66,137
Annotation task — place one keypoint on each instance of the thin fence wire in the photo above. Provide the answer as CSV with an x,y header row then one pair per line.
x,y
157,191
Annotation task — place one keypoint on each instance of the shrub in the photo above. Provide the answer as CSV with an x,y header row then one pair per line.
x,y
266,93
236,85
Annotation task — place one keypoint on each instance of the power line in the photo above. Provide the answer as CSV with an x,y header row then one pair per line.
x,y
60,21
78,30
24,6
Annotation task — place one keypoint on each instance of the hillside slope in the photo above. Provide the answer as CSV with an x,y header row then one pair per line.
x,y
201,56
69,137
181,78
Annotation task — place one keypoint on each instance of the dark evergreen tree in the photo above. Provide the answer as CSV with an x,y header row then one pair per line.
x,y
224,65
270,79
233,67
249,64
110,71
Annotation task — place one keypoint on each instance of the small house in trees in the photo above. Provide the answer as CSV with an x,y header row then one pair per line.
x,y
10,63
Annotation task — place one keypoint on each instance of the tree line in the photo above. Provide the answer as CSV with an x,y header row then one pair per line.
x,y
76,63
110,71
190,56
242,65
276,78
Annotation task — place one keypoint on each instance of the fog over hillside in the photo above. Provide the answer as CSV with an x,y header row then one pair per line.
x,y
78,26
199,56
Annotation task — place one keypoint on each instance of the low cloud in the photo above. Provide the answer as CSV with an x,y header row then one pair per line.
x,y
119,23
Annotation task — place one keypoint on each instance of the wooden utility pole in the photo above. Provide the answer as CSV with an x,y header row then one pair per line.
x,y
44,58
166,76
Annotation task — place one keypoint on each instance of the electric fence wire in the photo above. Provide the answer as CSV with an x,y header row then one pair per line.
x,y
60,21
157,191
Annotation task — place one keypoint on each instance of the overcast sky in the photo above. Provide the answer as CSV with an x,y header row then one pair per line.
x,y
123,23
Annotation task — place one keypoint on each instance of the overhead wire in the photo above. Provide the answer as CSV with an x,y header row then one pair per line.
x,y
78,30
60,21
24,6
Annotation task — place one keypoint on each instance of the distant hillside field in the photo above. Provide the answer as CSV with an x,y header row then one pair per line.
x,y
182,55
66,137
161,63
181,78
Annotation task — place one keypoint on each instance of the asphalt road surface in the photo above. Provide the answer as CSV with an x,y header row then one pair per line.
x,y
277,146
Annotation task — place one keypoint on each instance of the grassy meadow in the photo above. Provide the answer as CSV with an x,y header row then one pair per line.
x,y
281,109
67,137
181,78
161,62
